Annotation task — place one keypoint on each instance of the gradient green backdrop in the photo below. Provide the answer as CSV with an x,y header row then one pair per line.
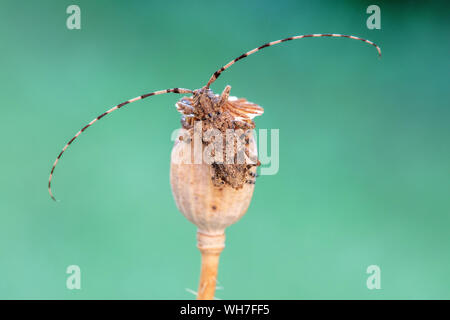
x,y
364,149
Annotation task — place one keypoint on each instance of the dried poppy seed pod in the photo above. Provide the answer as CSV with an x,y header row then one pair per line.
x,y
211,208
211,205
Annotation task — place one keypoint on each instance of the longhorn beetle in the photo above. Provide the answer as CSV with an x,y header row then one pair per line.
x,y
241,112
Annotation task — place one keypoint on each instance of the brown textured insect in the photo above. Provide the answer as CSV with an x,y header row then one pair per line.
x,y
214,195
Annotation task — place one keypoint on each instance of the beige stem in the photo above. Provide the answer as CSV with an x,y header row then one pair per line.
x,y
210,247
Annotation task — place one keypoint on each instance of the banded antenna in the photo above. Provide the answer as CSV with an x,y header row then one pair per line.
x,y
269,44
174,90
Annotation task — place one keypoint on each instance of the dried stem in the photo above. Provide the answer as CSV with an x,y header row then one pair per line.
x,y
210,247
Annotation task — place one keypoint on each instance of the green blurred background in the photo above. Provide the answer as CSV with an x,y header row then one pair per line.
x,y
364,149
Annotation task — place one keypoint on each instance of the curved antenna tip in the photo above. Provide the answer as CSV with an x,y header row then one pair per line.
x,y
53,197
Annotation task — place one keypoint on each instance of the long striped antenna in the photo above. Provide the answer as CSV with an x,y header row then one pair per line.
x,y
269,44
174,90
